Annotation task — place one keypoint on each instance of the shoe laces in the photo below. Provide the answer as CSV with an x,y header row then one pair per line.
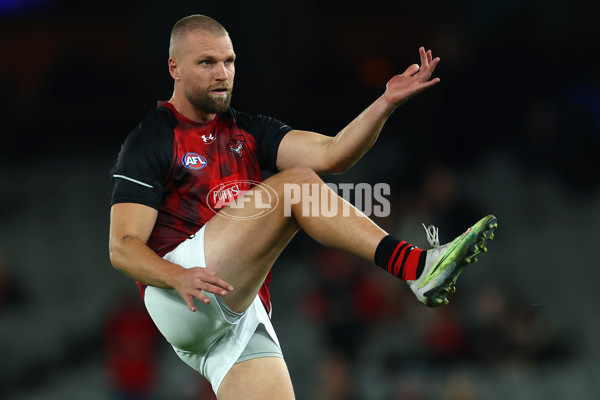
x,y
432,236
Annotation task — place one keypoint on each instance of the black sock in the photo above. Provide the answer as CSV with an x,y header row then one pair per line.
x,y
399,258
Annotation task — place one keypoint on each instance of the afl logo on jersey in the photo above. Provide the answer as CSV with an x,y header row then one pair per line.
x,y
193,161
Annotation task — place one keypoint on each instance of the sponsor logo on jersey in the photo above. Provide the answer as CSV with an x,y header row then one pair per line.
x,y
236,145
225,193
193,161
226,197
208,138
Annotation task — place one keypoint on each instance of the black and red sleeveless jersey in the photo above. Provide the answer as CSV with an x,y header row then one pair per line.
x,y
171,163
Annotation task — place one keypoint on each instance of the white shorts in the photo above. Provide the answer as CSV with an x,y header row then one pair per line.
x,y
214,338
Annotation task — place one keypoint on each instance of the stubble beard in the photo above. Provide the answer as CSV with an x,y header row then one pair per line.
x,y
203,100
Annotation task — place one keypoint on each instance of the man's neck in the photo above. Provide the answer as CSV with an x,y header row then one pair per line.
x,y
186,109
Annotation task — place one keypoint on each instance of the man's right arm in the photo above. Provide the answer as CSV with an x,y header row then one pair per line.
x,y
335,154
130,228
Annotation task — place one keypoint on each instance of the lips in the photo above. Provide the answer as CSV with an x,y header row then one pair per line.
x,y
220,90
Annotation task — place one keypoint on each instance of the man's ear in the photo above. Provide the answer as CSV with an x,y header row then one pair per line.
x,y
173,68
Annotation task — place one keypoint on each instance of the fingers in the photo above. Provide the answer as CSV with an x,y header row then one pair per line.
x,y
424,57
428,63
207,280
410,71
430,83
193,281
210,288
413,80
432,66
189,300
216,282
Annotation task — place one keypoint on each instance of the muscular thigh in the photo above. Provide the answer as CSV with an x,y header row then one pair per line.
x,y
257,379
242,247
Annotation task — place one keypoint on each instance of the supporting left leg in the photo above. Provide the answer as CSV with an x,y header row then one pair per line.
x,y
264,378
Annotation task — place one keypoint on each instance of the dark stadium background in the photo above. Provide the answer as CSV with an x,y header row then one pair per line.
x,y
512,129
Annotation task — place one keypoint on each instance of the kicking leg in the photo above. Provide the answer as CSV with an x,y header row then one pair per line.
x,y
241,250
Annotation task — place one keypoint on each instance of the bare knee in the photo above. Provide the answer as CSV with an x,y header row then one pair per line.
x,y
291,187
299,175
294,176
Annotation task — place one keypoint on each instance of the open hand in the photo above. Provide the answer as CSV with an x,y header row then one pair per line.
x,y
412,81
190,283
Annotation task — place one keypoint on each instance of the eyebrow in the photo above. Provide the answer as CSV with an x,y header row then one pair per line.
x,y
205,57
213,58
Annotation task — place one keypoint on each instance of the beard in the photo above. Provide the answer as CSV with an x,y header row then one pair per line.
x,y
204,100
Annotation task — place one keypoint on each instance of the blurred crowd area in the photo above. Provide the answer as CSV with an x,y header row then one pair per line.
x,y
520,325
516,75
512,129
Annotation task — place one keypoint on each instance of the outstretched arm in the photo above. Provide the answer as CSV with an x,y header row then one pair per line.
x,y
325,154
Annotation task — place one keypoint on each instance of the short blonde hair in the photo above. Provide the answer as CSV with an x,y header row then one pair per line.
x,y
194,23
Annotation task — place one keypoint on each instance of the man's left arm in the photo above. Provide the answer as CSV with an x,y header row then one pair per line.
x,y
326,154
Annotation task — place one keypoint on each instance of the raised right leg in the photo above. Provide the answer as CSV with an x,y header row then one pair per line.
x,y
241,250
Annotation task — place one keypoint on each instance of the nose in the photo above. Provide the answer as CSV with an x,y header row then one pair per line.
x,y
222,73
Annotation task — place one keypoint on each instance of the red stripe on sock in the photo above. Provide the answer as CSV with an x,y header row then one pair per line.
x,y
400,258
410,267
392,258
